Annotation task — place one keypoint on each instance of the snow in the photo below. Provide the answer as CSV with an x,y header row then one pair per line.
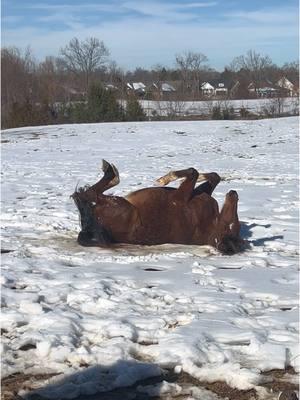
x,y
108,318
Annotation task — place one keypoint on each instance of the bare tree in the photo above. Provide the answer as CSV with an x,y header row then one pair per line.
x,y
291,71
160,73
253,64
18,83
84,57
48,80
191,65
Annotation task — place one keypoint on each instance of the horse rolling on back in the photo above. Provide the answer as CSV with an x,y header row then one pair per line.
x,y
158,215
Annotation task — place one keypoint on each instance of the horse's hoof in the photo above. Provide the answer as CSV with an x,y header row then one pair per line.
x,y
105,165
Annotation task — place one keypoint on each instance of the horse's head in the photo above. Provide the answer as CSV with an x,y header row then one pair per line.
x,y
92,232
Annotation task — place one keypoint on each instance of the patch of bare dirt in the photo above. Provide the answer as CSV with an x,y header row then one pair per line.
x,y
11,385
277,381
281,380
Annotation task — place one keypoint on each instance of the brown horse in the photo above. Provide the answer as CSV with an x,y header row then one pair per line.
x,y
157,215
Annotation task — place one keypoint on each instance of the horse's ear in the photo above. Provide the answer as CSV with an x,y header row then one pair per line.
x,y
76,187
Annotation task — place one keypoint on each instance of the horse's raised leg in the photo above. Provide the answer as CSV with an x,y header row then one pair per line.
x,y
228,229
109,180
93,233
211,179
185,190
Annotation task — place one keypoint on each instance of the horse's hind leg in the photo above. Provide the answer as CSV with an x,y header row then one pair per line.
x,y
185,190
92,232
211,179
109,180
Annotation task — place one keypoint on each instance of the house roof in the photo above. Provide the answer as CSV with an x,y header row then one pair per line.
x,y
166,87
136,86
207,86
224,83
261,84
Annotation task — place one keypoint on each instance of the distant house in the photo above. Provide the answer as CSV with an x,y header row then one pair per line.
x,y
162,89
137,87
262,89
221,89
287,86
207,89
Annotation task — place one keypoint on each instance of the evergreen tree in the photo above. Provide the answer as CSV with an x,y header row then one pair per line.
x,y
134,111
102,105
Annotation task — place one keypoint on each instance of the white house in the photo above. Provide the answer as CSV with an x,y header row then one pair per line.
x,y
207,89
284,83
221,90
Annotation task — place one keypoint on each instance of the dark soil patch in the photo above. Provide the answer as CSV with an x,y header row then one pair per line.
x,y
220,388
280,380
11,385
278,383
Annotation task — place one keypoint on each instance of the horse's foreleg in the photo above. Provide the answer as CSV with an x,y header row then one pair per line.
x,y
174,175
210,180
185,190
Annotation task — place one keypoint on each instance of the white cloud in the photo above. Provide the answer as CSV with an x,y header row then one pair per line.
x,y
276,16
168,11
78,8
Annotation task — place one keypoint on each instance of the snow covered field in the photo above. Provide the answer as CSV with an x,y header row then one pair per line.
x,y
108,318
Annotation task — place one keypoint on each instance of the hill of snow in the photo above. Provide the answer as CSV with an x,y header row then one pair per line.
x,y
107,318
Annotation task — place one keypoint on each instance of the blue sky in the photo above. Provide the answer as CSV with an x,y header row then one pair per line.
x,y
148,32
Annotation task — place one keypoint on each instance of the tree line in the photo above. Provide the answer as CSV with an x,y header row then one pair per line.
x,y
82,83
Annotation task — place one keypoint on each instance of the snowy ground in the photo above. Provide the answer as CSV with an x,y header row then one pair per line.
x,y
130,312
